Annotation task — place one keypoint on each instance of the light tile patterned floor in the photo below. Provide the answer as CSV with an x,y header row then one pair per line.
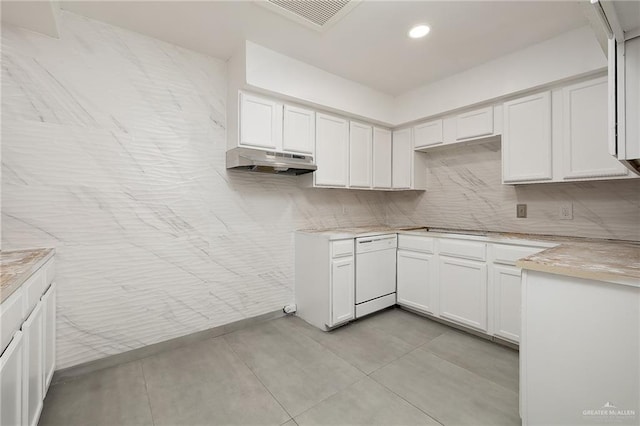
x,y
392,368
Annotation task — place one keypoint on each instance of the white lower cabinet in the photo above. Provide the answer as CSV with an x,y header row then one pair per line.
x,y
49,339
33,330
11,382
342,291
28,362
463,291
416,281
506,302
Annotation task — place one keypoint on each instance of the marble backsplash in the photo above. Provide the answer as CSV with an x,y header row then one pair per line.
x,y
113,152
465,191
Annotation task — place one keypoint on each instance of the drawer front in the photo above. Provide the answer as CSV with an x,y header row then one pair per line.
x,y
11,317
475,123
416,243
463,249
33,289
342,248
508,255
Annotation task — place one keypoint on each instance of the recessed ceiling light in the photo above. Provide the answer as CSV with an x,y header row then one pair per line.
x,y
419,31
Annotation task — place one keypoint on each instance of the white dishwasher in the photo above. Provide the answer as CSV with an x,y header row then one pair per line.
x,y
375,273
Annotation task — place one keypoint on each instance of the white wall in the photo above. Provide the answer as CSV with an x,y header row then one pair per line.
x,y
568,55
113,150
274,72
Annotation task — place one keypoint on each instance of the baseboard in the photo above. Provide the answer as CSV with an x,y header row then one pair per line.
x,y
69,373
468,330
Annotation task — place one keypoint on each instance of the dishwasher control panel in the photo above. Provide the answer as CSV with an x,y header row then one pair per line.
x,y
376,242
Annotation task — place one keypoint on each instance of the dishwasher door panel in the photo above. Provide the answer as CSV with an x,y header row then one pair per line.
x,y
375,274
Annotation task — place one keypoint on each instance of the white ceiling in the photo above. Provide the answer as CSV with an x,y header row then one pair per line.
x,y
369,45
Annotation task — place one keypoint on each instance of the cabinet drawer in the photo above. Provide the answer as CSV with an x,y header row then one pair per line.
x,y
11,316
463,249
475,123
416,243
33,289
342,248
508,255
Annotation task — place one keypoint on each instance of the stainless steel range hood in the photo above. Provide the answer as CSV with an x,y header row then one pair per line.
x,y
255,160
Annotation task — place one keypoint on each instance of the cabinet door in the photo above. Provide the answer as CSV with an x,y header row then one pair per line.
x,y
332,151
463,292
260,122
381,158
416,280
585,148
402,165
360,155
526,139
11,372
342,291
299,130
428,134
32,379
49,340
474,123
506,307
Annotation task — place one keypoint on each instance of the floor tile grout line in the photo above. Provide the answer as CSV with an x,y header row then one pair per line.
x,y
146,389
407,401
400,396
257,378
470,371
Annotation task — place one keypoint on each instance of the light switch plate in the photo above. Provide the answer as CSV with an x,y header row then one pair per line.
x,y
566,211
521,210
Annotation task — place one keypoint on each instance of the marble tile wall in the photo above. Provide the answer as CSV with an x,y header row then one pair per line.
x,y
113,151
465,192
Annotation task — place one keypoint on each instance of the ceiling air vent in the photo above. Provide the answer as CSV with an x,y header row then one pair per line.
x,y
316,14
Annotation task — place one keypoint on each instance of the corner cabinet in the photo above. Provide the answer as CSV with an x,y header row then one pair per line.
x,y
409,168
332,151
415,280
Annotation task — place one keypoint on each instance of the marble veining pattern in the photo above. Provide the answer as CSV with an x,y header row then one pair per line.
x,y
604,261
113,151
17,266
465,191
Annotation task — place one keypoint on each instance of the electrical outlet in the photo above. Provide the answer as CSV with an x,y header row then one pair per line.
x,y
521,210
566,211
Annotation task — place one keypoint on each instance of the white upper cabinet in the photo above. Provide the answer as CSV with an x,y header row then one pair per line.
x,y
381,158
585,148
428,134
260,122
526,139
299,130
475,123
360,155
402,159
332,151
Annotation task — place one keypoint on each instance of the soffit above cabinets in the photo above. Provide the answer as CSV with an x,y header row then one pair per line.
x,y
369,45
